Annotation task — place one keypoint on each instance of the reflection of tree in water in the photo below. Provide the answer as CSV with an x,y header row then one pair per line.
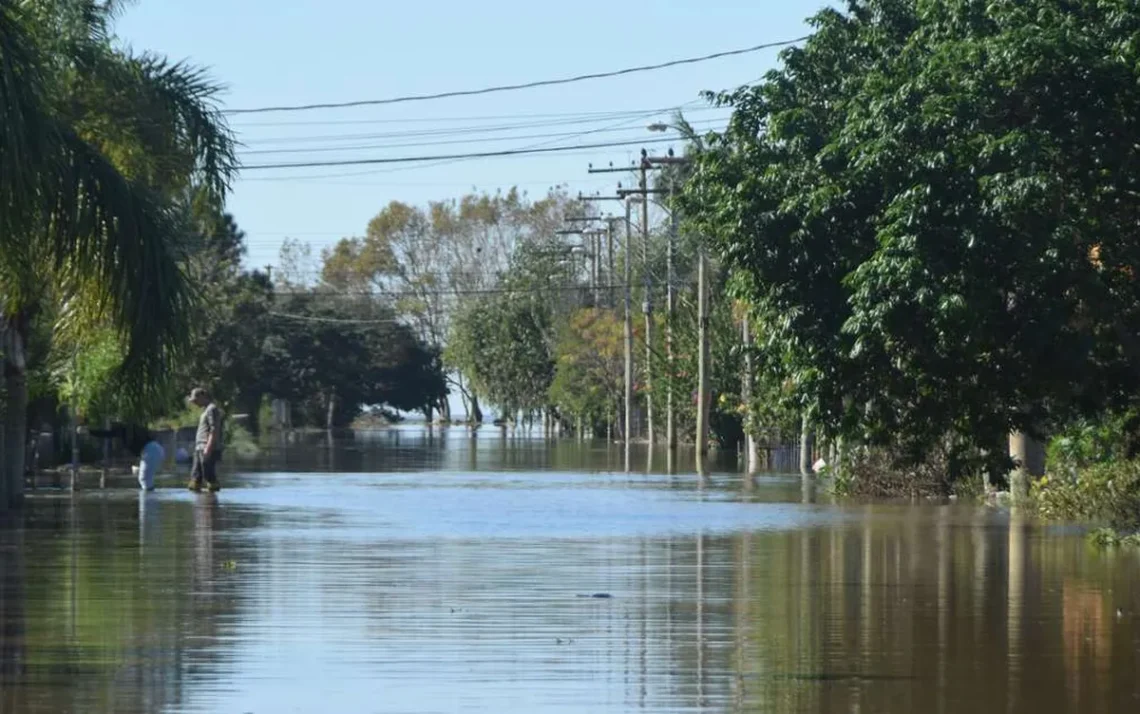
x,y
1088,638
12,616
889,615
118,614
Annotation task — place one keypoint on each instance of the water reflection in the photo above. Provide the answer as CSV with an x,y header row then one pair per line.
x,y
471,583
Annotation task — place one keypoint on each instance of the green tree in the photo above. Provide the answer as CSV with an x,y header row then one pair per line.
x,y
909,205
332,357
589,380
231,319
502,343
432,260
100,148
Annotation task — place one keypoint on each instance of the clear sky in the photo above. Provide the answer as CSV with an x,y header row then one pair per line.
x,y
272,52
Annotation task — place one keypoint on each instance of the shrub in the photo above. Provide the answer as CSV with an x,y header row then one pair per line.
x,y
1108,538
1106,493
878,473
240,442
890,472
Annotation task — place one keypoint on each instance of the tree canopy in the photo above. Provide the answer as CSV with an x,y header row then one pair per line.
x,y
931,209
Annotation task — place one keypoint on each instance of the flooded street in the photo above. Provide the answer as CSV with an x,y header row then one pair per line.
x,y
398,573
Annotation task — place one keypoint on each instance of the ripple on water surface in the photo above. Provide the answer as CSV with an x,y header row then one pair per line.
x,y
474,590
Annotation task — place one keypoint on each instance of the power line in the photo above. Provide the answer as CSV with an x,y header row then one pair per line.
x,y
449,157
455,292
334,320
443,119
480,140
513,87
445,162
460,130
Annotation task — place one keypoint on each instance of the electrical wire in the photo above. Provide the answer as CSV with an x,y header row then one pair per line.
x,y
514,87
454,292
474,129
475,155
481,140
334,320
443,119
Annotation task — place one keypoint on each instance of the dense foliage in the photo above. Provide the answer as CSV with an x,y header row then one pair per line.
x,y
931,208
102,153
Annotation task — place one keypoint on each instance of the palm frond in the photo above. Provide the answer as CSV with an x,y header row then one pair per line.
x,y
688,133
97,16
159,118
114,248
22,145
185,99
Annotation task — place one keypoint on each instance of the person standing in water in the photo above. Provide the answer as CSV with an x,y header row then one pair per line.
x,y
140,442
207,442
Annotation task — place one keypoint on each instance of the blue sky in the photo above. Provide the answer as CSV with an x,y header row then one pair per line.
x,y
304,51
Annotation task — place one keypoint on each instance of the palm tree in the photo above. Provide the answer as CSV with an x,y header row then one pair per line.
x,y
102,154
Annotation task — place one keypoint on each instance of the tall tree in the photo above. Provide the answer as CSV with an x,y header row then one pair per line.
x,y
910,204
431,261
101,152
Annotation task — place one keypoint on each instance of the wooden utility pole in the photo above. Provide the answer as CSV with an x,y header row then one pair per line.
x,y
595,265
643,192
628,335
670,295
703,358
647,305
627,429
670,313
610,249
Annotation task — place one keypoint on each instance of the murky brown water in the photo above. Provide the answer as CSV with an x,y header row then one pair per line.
x,y
397,574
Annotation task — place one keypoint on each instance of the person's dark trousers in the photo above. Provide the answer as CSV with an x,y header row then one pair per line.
x,y
204,468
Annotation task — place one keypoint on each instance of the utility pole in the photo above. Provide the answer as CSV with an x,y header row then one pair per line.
x,y
648,304
643,191
627,429
670,295
670,312
703,357
751,453
610,251
805,446
628,336
595,265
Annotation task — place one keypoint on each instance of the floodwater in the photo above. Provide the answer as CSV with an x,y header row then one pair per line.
x,y
398,573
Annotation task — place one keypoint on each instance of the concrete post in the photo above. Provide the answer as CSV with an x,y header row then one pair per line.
x,y
1029,462
805,447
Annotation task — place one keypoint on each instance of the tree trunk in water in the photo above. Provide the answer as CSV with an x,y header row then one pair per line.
x,y
805,447
445,410
464,397
15,421
330,416
476,414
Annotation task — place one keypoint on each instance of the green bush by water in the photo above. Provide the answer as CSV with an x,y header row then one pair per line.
x,y
1109,538
240,443
1107,493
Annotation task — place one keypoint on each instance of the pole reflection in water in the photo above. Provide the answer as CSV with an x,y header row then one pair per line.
x,y
1015,600
807,488
527,578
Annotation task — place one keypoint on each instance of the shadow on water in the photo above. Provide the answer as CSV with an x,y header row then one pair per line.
x,y
401,573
